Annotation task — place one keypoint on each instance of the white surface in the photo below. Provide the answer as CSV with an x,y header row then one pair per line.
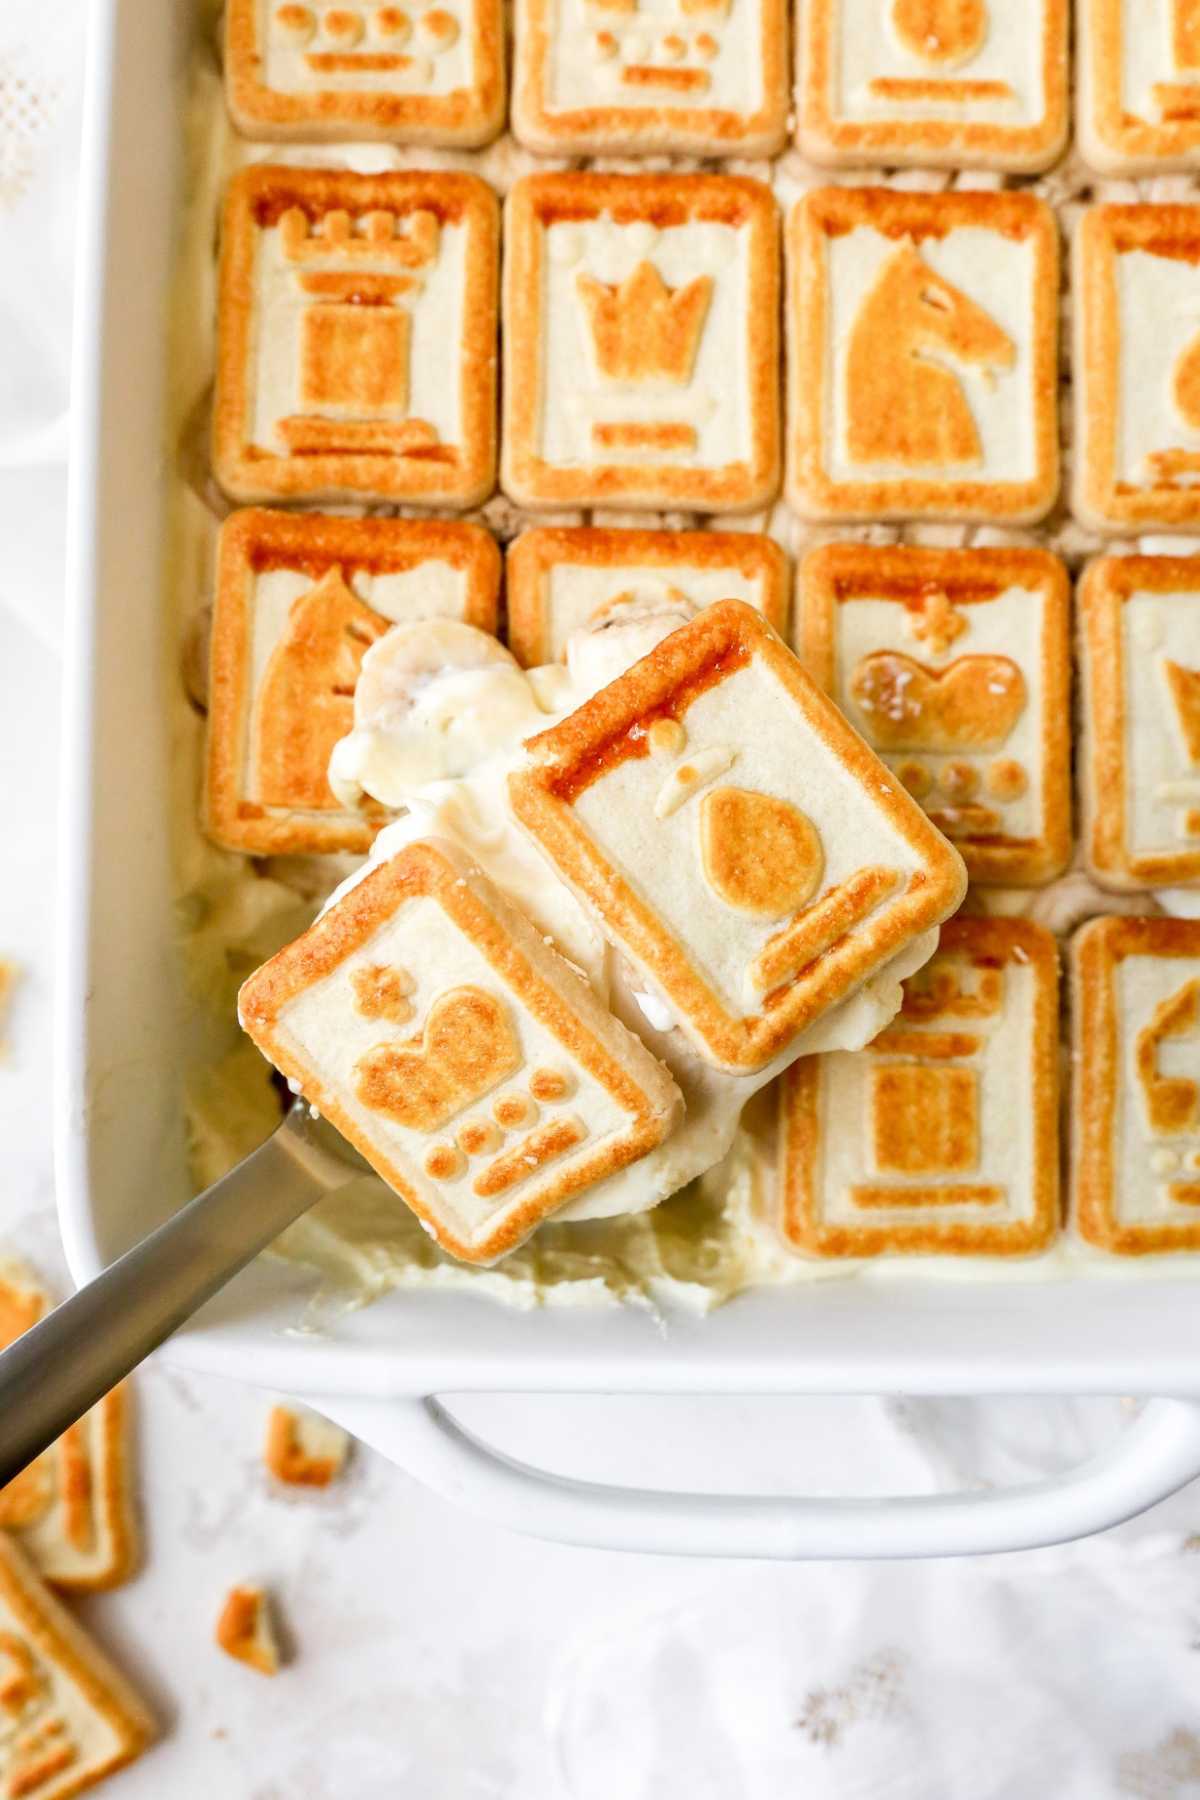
x,y
439,1658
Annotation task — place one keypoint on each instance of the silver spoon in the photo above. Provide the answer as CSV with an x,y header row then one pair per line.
x,y
59,1369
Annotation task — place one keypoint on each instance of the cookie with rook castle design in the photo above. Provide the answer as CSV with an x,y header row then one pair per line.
x,y
559,579
1137,390
1136,1021
922,355
423,74
1139,85
960,83
641,342
941,1137
300,599
705,77
955,666
474,1069
356,337
734,837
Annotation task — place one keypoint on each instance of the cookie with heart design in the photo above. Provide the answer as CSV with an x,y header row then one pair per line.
x,y
955,666
471,1066
754,862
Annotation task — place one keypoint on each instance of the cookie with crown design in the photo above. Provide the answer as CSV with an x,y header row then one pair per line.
x,y
941,1137
705,77
1140,767
1139,85
922,355
734,837
959,83
300,599
425,74
67,1718
1135,1158
356,337
559,579
955,665
471,1066
1137,391
640,342
72,1509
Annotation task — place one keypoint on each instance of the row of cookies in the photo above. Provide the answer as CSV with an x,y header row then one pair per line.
x,y
955,666
357,348
942,1137
949,82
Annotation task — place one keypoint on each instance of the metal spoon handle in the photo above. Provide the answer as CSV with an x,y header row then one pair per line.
x,y
52,1374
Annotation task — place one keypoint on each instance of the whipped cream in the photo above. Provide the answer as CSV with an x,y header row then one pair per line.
x,y
440,741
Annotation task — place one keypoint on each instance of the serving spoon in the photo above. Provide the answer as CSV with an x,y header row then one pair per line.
x,y
64,1364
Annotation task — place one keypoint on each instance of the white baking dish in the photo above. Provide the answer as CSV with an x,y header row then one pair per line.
x,y
122,1018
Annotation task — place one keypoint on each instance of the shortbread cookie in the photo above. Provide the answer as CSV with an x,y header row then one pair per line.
x,y
356,353
1140,773
955,665
300,600
734,837
922,355
1135,1158
72,1509
705,77
1139,85
941,1138
1137,368
426,74
562,579
641,342
471,1065
959,83
67,1718
246,1630
303,1449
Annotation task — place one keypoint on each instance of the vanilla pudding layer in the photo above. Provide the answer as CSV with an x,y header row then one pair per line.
x,y
716,1237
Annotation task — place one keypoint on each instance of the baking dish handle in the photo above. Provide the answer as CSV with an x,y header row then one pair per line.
x,y
1158,1454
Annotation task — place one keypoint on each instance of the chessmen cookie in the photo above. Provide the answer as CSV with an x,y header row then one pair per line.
x,y
955,666
1135,1160
300,599
704,77
72,1509
1137,368
67,1718
470,1064
356,337
922,355
641,342
246,1630
1139,85
734,837
958,83
562,579
941,1138
359,70
303,1449
1140,768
